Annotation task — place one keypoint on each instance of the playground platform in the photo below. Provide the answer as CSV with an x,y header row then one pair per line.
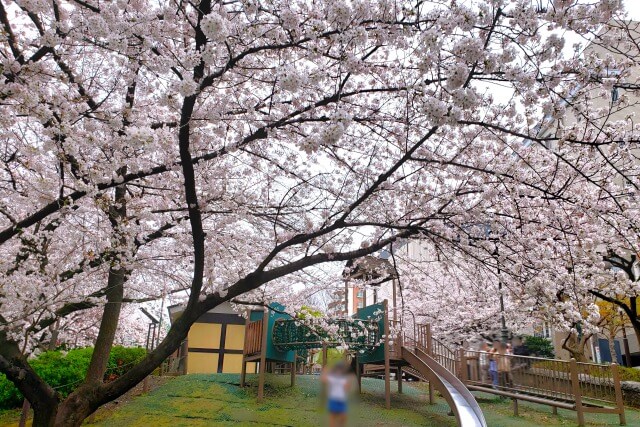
x,y
273,336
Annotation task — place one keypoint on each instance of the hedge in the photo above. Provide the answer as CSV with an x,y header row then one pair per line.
x,y
539,346
629,374
64,371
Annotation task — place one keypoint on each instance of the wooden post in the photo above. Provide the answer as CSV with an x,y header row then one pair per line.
x,y
515,407
185,357
324,355
324,365
429,350
399,379
431,391
395,306
387,362
359,375
618,388
293,368
575,386
243,372
463,366
263,355
346,297
555,410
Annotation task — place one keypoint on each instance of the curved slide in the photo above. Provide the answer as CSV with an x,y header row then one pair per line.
x,y
460,399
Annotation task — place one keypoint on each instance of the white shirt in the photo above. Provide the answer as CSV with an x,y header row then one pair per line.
x,y
336,385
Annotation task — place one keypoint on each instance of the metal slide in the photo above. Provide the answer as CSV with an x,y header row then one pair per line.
x,y
460,399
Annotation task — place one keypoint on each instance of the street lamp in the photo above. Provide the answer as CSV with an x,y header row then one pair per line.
x,y
504,332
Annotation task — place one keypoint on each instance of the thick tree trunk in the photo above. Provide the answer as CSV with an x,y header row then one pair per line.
x,y
576,347
44,416
108,326
114,292
76,407
53,342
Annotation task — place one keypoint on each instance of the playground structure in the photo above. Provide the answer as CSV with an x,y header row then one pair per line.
x,y
273,336
380,346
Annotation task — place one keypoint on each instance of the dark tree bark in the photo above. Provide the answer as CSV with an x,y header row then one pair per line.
x,y
44,399
576,346
114,294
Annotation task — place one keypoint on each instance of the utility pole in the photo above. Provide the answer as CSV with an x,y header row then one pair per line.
x,y
504,332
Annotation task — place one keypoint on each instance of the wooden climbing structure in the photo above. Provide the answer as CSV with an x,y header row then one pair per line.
x,y
273,336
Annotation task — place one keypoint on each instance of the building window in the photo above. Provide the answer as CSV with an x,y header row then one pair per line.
x,y
543,330
546,330
615,95
360,304
359,294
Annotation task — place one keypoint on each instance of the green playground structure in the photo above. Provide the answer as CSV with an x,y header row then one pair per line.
x,y
272,335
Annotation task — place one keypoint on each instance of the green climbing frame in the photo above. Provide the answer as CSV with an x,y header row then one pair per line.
x,y
362,334
295,335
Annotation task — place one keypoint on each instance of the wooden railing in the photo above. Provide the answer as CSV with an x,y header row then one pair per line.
x,y
584,387
599,383
531,375
254,337
444,355
422,336
399,339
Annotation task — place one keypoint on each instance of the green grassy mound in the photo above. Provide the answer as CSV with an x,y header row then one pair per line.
x,y
199,400
206,400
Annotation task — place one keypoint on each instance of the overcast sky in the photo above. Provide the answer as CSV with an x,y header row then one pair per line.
x,y
633,7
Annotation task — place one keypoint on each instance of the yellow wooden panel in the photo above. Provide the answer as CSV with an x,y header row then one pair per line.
x,y
252,367
232,363
205,335
202,363
234,340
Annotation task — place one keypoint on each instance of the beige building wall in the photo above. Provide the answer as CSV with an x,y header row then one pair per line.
x,y
215,342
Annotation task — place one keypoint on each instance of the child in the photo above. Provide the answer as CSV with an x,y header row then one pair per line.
x,y
337,381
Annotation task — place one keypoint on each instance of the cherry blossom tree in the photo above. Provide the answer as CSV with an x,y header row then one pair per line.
x,y
210,148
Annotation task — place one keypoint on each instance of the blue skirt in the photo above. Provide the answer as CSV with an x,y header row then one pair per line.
x,y
337,406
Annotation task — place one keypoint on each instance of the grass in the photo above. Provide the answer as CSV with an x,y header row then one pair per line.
x,y
205,400
199,400
9,417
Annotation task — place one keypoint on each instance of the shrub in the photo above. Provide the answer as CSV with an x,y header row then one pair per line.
x,y
65,371
10,397
629,374
122,359
538,346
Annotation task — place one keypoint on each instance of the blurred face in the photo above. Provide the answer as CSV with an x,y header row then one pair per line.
x,y
339,369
